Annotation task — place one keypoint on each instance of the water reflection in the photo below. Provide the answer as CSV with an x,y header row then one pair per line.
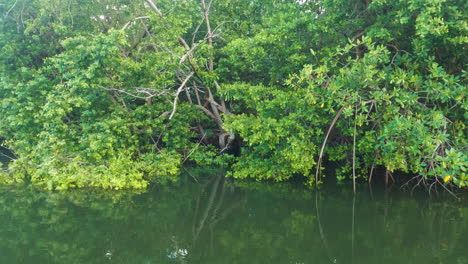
x,y
216,221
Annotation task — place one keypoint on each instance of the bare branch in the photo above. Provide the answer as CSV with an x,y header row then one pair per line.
x,y
195,148
189,53
211,115
187,93
208,27
129,23
196,93
195,32
154,7
147,91
11,8
160,14
194,46
174,106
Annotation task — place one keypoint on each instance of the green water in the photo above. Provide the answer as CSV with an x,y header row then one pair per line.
x,y
216,221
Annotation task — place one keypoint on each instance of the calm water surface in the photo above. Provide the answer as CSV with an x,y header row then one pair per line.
x,y
216,221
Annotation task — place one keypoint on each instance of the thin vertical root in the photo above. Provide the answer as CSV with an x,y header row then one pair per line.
x,y
317,173
354,151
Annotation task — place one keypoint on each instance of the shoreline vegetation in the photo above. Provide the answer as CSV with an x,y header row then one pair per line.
x,y
118,95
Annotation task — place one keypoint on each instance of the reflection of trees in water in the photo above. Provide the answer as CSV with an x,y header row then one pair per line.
x,y
209,208
214,222
215,209
86,226
391,228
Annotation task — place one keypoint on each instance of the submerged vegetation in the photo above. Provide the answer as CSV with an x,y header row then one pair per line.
x,y
116,95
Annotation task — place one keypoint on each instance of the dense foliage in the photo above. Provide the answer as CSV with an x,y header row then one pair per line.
x,y
117,95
